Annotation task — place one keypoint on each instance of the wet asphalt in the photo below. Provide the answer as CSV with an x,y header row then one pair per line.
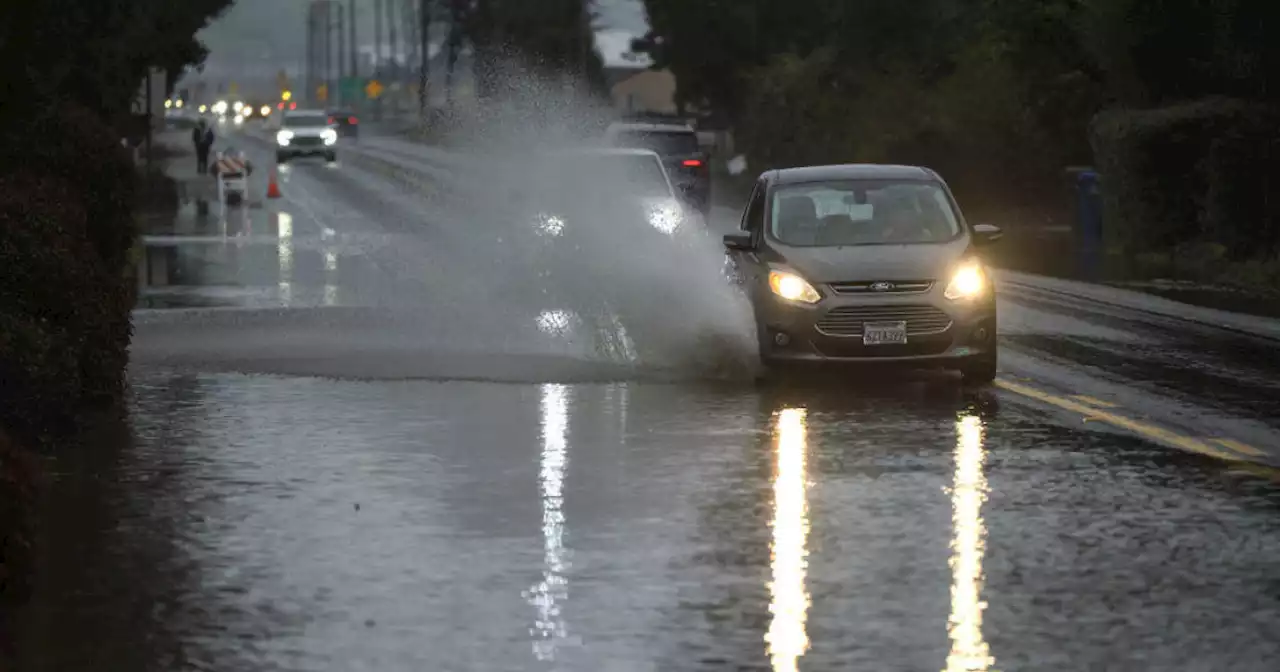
x,y
332,480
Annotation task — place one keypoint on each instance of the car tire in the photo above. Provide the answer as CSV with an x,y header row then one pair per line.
x,y
282,157
979,370
331,157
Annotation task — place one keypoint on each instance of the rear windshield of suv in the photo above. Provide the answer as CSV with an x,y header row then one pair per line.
x,y
666,143
862,212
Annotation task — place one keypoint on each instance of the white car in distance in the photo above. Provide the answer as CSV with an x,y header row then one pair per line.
x,y
306,133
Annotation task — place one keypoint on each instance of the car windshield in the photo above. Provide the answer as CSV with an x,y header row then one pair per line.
x,y
666,143
638,175
306,120
862,212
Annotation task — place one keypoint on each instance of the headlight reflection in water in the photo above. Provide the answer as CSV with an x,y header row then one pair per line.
x,y
969,650
787,638
548,596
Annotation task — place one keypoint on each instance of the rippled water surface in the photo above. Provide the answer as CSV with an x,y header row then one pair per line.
x,y
274,523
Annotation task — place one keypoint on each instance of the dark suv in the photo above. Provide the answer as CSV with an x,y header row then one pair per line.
x,y
677,144
346,122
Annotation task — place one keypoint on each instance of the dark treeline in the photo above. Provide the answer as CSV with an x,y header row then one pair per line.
x,y
69,191
1170,98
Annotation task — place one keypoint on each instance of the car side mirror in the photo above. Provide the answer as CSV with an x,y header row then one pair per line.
x,y
986,234
739,240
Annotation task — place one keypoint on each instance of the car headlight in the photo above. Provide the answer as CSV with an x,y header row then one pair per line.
x,y
792,287
330,136
969,281
666,218
549,225
283,137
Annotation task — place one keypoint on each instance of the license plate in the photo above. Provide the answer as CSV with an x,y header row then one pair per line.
x,y
884,333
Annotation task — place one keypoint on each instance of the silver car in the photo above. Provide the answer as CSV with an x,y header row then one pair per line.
x,y
866,264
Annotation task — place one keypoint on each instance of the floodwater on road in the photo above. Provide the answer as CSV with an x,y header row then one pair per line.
x,y
276,523
363,443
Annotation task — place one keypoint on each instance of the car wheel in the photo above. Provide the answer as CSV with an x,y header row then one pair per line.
x,y
979,370
281,157
331,157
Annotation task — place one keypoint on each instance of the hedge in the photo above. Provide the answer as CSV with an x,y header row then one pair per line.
x,y
1196,172
66,235
66,231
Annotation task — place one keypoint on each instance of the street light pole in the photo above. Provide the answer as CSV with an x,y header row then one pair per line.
x,y
424,56
351,11
342,50
328,53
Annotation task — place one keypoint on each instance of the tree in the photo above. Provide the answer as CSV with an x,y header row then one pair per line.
x,y
97,52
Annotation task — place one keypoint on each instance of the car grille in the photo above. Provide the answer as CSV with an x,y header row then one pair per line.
x,y
307,141
934,345
848,320
894,287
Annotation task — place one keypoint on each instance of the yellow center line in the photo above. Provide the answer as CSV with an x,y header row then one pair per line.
x,y
1093,401
1143,429
1244,448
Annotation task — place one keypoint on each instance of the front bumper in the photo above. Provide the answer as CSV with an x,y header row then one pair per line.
x,y
306,147
940,332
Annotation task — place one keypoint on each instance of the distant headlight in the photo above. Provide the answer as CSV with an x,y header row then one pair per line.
x,y
283,137
968,282
793,287
548,225
666,218
265,110
330,136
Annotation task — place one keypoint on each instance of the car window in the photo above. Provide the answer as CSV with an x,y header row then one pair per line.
x,y
753,221
862,212
666,143
631,174
306,120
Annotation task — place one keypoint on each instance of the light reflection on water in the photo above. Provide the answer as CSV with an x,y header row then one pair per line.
x,y
284,255
789,604
548,595
969,650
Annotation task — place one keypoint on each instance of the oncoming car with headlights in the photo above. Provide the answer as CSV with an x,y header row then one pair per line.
x,y
857,264
585,191
306,133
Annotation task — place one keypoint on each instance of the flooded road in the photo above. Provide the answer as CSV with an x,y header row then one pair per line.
x,y
327,469
261,523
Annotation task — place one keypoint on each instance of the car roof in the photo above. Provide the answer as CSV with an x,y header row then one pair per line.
x,y
306,113
605,151
850,171
651,127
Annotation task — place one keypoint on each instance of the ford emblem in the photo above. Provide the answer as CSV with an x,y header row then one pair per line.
x,y
881,286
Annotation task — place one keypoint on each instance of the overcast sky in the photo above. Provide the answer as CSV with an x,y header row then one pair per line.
x,y
274,29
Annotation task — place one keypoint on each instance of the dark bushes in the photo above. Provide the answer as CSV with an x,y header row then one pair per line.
x,y
16,496
1196,173
66,228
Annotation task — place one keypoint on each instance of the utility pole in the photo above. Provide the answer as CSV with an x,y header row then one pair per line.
x,y
393,18
424,55
327,22
453,43
309,73
342,41
377,51
351,11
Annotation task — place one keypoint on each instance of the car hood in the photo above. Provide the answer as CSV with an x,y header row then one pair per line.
x,y
855,263
306,131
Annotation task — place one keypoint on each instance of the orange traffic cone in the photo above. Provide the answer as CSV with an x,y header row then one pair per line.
x,y
273,187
